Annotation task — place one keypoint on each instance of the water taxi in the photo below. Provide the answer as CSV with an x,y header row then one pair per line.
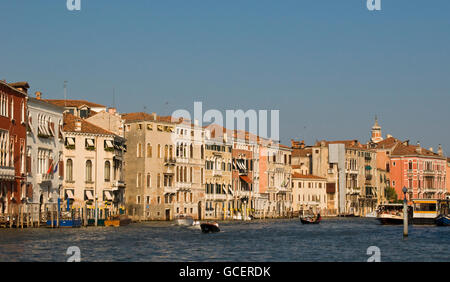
x,y
390,214
117,220
210,227
184,220
425,211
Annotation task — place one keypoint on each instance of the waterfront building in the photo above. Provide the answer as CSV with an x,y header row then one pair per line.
x,y
150,166
13,127
219,198
190,170
448,178
351,176
245,173
309,193
93,164
275,186
421,171
44,155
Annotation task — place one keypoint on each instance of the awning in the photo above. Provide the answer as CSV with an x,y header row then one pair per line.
x,y
109,144
69,194
245,178
368,167
89,195
108,195
70,140
231,191
241,164
90,142
224,189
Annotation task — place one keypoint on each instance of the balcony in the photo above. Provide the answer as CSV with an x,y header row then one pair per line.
x,y
116,184
43,177
170,189
7,173
428,172
217,173
369,177
183,185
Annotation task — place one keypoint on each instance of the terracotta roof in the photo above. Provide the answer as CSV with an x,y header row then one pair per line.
x,y
86,127
411,150
21,84
301,152
74,103
141,116
387,143
297,175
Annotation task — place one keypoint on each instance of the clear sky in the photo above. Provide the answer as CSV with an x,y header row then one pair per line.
x,y
328,66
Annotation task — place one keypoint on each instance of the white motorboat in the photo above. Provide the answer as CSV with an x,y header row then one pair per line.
x,y
184,220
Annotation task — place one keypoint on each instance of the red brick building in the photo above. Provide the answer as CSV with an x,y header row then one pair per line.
x,y
421,171
13,105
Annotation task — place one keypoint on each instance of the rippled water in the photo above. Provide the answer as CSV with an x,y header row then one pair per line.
x,y
340,239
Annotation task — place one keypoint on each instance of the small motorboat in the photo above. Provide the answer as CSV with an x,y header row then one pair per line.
x,y
210,227
443,220
184,220
311,220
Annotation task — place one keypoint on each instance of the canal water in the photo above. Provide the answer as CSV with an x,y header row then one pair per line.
x,y
338,239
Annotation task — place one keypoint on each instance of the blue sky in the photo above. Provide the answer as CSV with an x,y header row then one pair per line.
x,y
328,66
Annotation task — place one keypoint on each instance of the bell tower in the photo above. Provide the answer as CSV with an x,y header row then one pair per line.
x,y
376,132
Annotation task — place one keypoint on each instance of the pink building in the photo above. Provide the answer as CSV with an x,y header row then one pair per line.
x,y
422,171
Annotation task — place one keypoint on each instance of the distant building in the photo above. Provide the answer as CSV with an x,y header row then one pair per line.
x,y
110,120
13,126
309,193
45,169
93,163
448,178
220,193
421,171
79,108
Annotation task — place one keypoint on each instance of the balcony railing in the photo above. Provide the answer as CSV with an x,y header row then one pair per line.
x,y
7,173
43,177
217,172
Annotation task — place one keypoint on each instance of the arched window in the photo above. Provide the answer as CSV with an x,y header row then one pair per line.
x,y
69,170
107,171
191,151
89,171
139,150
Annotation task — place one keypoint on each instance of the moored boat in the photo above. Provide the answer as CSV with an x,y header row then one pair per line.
x,y
210,227
425,211
443,220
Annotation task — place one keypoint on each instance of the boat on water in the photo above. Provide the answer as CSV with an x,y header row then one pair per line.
x,y
444,217
210,227
443,220
117,220
425,211
390,214
311,220
371,214
184,220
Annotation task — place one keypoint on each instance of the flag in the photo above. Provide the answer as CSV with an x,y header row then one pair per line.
x,y
50,168
56,167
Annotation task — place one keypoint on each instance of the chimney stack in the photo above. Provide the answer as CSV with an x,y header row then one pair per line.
x,y
440,151
418,149
388,136
112,111
77,125
431,149
154,116
38,95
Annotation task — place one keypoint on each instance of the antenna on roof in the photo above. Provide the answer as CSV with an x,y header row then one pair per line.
x,y
65,93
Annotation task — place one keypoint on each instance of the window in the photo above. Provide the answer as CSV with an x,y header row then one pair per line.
x,y
139,150
88,171
90,144
3,105
139,180
149,180
69,170
107,171
149,150
159,151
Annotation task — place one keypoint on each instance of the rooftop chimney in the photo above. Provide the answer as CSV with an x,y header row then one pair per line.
x,y
112,111
78,126
154,116
388,136
196,122
418,149
430,149
21,86
38,95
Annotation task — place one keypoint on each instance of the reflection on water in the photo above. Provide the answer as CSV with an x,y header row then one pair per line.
x,y
339,239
